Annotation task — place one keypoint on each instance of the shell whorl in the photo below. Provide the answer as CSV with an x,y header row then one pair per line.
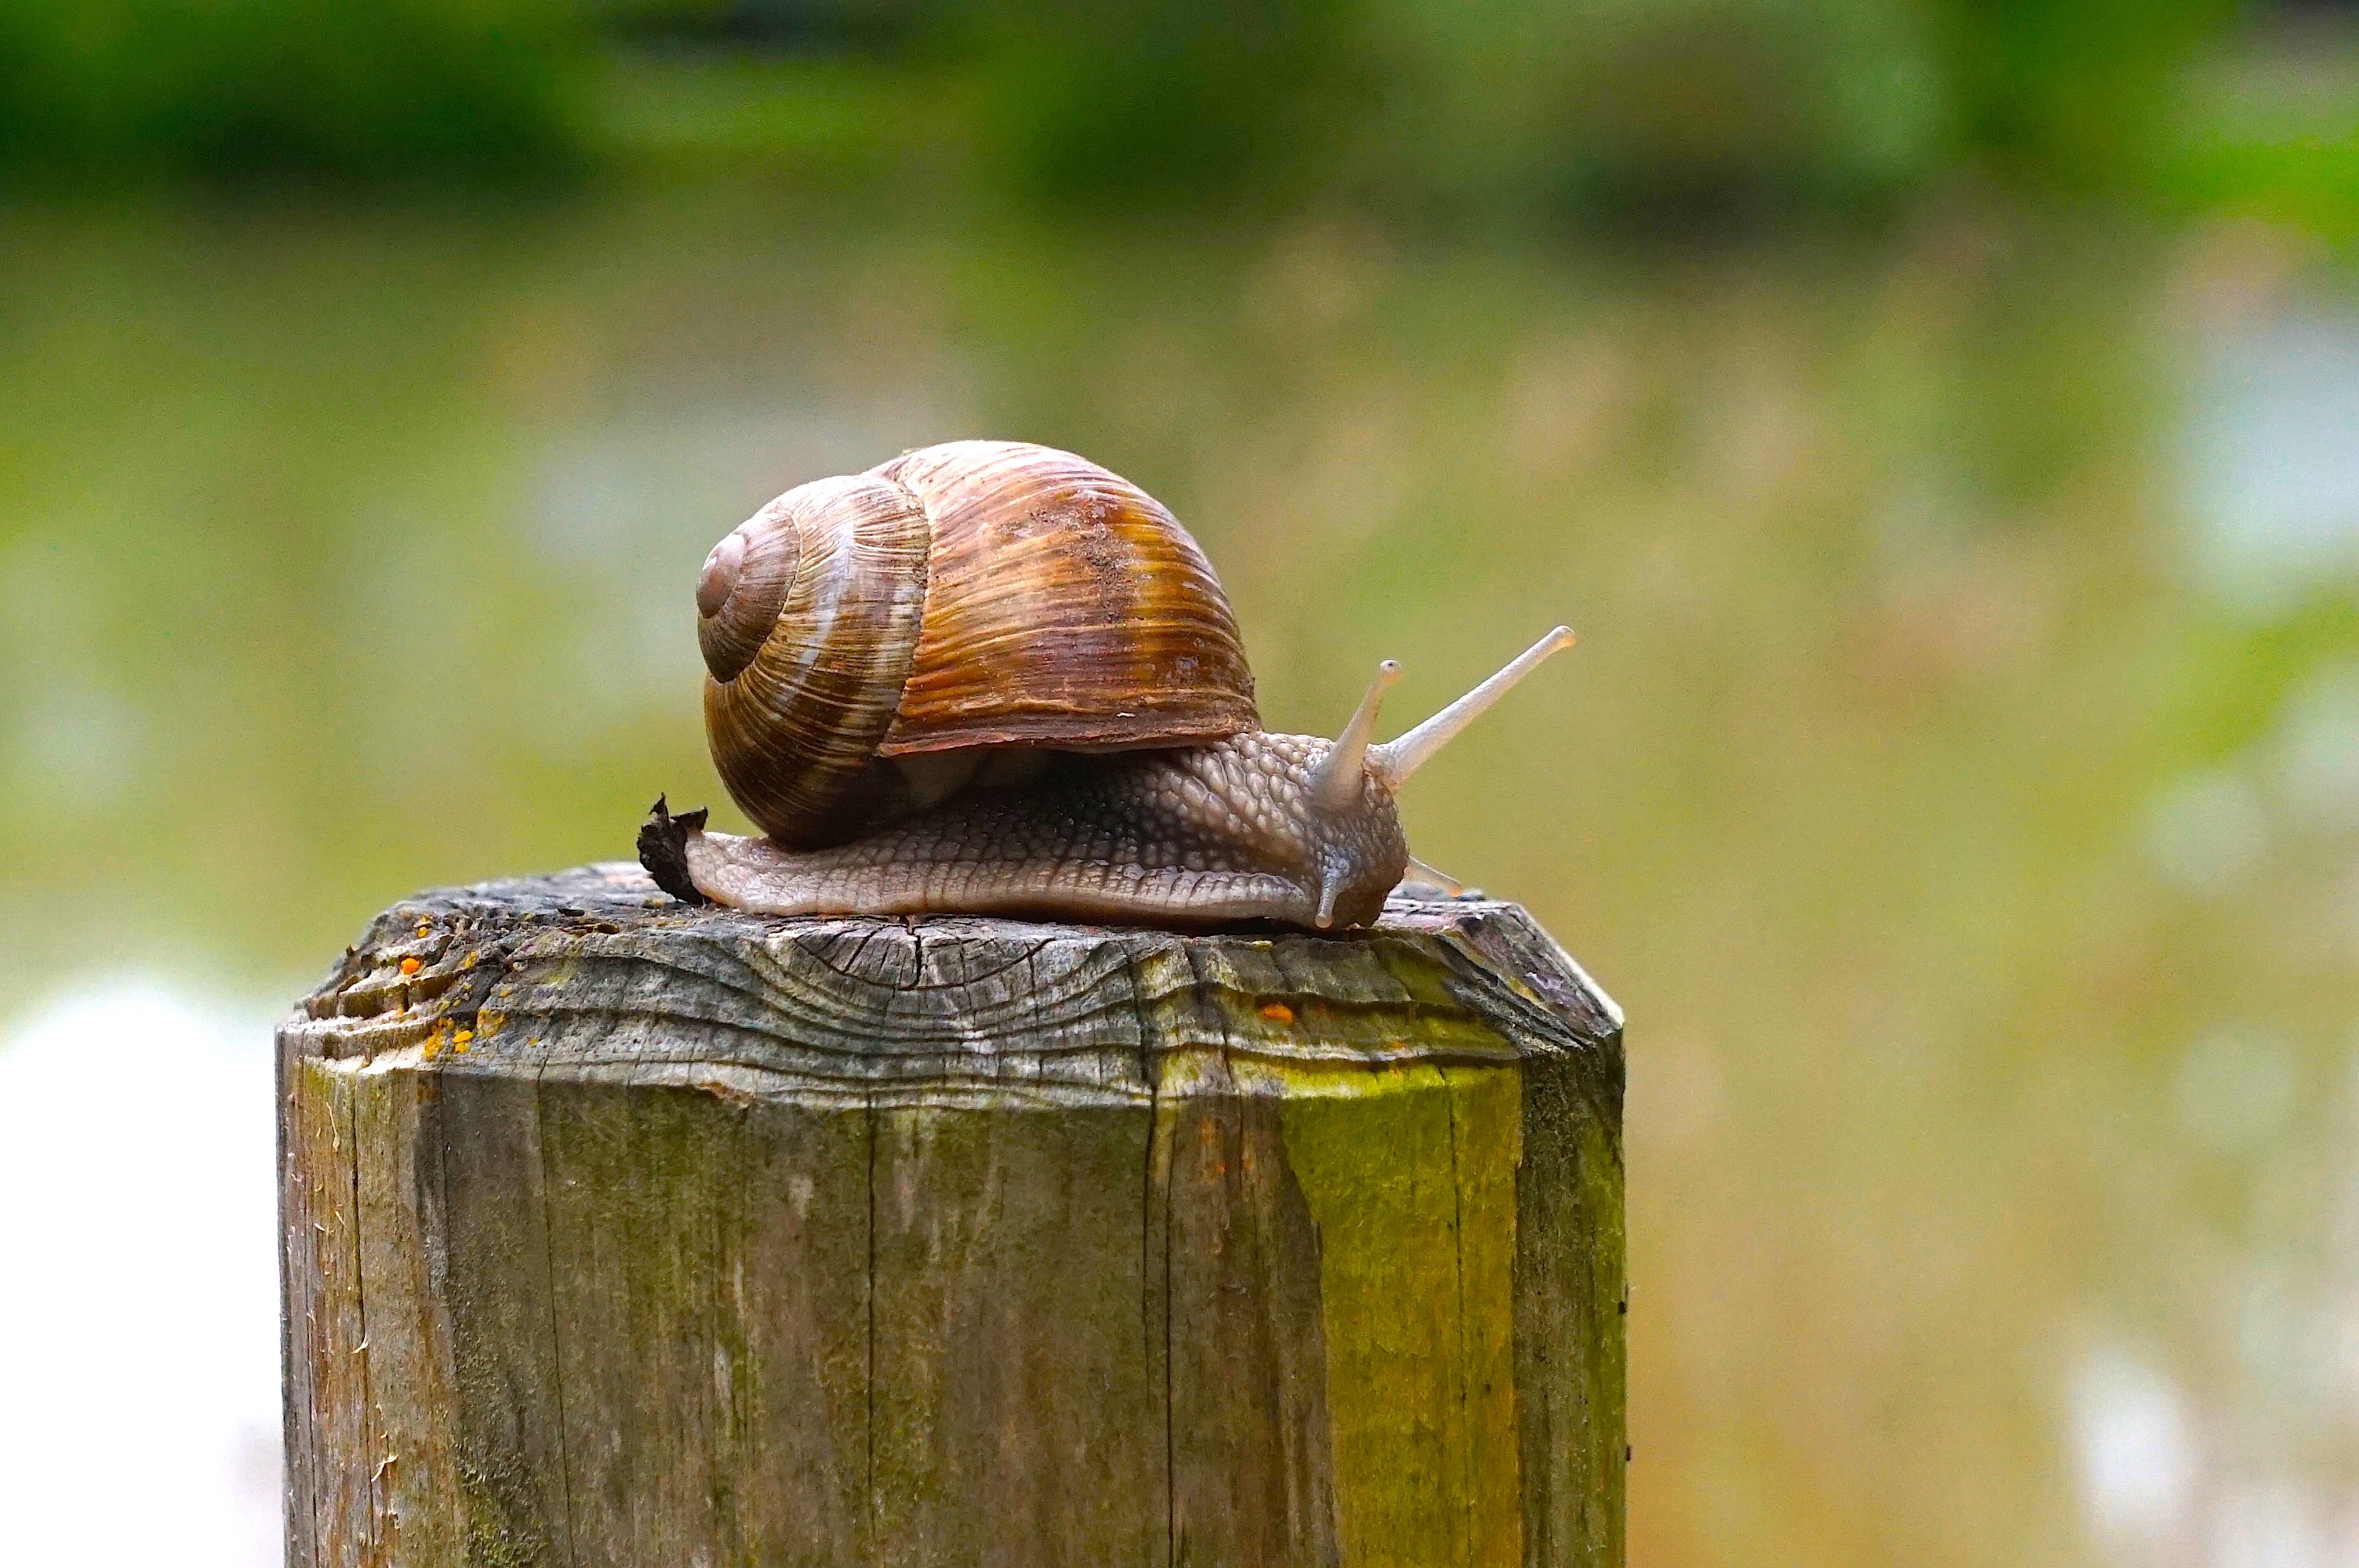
x,y
868,638
830,577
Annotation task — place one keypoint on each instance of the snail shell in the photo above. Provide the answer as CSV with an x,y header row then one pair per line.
x,y
876,641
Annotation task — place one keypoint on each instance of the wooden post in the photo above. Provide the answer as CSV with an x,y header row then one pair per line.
x,y
619,1232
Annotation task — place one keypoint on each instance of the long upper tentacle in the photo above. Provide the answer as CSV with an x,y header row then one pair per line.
x,y
1397,759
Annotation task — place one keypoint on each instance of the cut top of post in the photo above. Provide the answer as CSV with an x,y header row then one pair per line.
x,y
594,973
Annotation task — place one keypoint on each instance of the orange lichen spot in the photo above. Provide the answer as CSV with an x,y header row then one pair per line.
x,y
1277,1012
410,966
433,1046
462,1038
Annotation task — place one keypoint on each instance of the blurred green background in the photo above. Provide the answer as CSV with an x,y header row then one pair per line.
x,y
1939,419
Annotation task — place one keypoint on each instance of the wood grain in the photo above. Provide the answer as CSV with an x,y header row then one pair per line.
x,y
619,1232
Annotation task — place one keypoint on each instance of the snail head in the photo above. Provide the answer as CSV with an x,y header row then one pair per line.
x,y
1357,776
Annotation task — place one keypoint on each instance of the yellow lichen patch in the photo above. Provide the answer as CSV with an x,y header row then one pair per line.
x,y
1277,1012
459,1040
410,966
1409,1173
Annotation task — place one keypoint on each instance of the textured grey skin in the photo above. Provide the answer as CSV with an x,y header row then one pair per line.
x,y
1199,837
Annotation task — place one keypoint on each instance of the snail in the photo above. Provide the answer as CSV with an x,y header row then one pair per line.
x,y
987,678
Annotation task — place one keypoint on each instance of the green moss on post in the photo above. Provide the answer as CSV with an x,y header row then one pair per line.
x,y
619,1232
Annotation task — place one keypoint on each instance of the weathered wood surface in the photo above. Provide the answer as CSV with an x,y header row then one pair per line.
x,y
624,1233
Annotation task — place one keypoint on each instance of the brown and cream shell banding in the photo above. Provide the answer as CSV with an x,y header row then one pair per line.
x,y
870,639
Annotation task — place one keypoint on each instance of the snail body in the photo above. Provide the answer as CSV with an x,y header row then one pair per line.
x,y
990,678
1197,837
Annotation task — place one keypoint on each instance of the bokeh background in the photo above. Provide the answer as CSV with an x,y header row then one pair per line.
x,y
1941,419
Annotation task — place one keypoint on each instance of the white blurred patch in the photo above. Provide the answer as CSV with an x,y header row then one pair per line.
x,y
2135,1449
139,1310
2272,461
2267,1524
2235,1089
2205,831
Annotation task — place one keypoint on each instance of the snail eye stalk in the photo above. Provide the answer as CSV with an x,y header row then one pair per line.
x,y
1337,785
1395,761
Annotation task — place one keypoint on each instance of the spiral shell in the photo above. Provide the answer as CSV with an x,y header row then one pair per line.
x,y
873,639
